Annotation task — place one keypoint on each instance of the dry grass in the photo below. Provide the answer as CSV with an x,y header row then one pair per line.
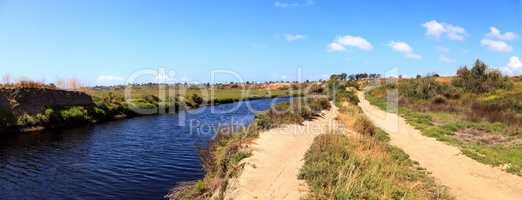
x,y
359,167
25,83
445,79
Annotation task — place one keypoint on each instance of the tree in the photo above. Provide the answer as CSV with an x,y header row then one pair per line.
x,y
481,79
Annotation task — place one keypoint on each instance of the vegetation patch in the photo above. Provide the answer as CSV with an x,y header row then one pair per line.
x,y
342,167
484,120
477,136
295,111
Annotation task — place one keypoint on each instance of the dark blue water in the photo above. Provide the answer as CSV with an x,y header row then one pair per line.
x,y
139,158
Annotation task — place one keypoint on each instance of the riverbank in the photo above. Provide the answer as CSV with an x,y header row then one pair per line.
x,y
223,160
277,156
55,113
137,158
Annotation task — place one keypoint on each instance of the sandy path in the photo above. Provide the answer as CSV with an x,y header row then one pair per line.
x,y
271,172
466,178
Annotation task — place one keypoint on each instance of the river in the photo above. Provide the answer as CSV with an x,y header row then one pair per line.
x,y
138,158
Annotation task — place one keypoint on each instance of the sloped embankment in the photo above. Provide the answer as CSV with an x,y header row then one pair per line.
x,y
26,101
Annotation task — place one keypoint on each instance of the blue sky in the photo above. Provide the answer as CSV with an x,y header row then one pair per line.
x,y
103,42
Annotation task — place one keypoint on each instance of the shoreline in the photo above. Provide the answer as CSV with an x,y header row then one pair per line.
x,y
223,159
40,128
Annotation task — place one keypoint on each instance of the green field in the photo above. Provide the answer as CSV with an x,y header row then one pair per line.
x,y
207,94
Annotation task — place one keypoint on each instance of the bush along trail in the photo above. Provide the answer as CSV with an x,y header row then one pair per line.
x,y
465,130
261,160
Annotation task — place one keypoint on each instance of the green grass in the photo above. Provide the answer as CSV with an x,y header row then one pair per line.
x,y
443,125
207,94
339,167
376,97
294,112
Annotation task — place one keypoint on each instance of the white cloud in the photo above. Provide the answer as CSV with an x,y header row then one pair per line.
x,y
455,32
496,45
514,67
495,33
436,29
335,47
404,48
446,59
341,43
355,41
109,78
280,4
294,37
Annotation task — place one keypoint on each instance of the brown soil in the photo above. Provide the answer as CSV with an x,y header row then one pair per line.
x,y
477,136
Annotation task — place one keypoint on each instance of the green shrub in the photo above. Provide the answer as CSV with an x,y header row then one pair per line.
x,y
100,112
196,100
139,107
42,118
481,79
293,112
421,88
344,95
26,120
508,101
74,114
200,186
318,104
281,113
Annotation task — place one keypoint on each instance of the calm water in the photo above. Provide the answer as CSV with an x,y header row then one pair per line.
x,y
140,158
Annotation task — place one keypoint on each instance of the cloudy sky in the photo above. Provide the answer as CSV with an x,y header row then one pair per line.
x,y
105,42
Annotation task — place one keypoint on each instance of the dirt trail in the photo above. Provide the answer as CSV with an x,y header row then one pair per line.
x,y
271,172
466,178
